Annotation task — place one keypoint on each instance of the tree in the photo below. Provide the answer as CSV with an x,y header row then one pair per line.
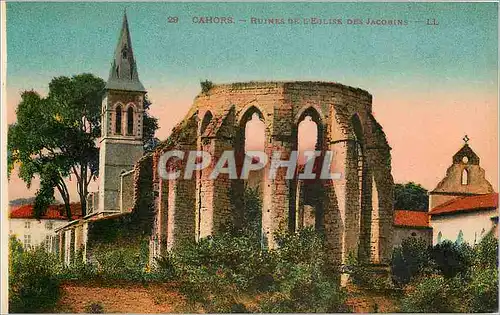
x,y
55,137
150,124
410,196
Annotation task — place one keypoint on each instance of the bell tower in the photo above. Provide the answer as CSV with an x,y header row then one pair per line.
x,y
121,116
463,178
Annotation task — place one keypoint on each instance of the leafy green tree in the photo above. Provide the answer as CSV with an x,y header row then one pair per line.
x,y
410,196
150,125
55,137
34,142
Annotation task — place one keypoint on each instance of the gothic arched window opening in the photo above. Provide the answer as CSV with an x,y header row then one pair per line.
x,y
130,121
206,120
118,121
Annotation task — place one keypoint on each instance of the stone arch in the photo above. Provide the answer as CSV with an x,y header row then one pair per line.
x,y
310,110
207,118
377,198
255,182
357,134
358,198
247,113
316,117
243,119
307,196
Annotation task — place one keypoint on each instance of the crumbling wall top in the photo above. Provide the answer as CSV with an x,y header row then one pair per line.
x,y
284,86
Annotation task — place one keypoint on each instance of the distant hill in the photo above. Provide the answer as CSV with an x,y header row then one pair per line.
x,y
21,201
26,201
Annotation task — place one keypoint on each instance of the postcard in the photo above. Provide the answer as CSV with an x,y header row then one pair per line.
x,y
250,157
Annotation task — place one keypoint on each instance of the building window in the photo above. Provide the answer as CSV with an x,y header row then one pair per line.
x,y
465,177
48,243
440,238
27,241
49,225
27,225
130,121
118,120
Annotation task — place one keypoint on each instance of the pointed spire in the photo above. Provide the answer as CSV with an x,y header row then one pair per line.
x,y
123,73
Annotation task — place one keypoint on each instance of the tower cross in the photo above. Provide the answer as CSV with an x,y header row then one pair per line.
x,y
466,139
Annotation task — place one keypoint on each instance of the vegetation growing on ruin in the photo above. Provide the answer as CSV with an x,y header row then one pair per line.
x,y
206,86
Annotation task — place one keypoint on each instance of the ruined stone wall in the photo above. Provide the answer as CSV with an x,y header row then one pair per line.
x,y
356,210
175,216
127,191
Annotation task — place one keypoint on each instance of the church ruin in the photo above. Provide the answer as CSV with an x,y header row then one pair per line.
x,y
355,212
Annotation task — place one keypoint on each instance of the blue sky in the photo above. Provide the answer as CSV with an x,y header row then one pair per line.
x,y
48,39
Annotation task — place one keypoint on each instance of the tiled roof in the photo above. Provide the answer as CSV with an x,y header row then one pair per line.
x,y
411,218
467,204
54,212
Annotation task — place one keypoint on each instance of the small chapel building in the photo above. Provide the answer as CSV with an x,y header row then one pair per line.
x,y
463,207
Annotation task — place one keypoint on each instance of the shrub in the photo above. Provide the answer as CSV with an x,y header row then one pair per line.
x,y
410,260
482,288
33,279
467,280
365,276
220,272
486,252
432,295
305,289
304,279
166,267
482,291
120,263
79,270
216,270
452,258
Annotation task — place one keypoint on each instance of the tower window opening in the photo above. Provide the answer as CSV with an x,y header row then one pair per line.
x,y
465,177
130,121
118,124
